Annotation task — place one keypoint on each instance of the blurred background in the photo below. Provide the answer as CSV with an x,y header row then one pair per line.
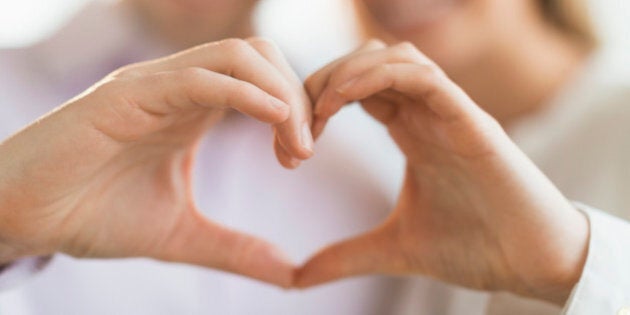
x,y
26,21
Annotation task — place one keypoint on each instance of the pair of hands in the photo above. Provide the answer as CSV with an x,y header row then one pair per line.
x,y
108,174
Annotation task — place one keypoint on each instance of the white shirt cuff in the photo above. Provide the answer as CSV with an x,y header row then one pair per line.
x,y
604,287
21,270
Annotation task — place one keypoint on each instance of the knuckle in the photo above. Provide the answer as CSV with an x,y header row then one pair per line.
x,y
406,50
127,71
190,82
432,71
120,103
373,43
261,42
427,75
431,79
376,42
113,86
235,46
406,46
239,52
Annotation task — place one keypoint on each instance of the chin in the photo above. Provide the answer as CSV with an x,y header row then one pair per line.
x,y
405,17
443,30
200,6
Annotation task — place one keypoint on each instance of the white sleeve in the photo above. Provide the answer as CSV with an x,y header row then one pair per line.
x,y
604,287
21,270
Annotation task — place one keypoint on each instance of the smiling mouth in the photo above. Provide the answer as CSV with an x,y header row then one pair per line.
x,y
409,15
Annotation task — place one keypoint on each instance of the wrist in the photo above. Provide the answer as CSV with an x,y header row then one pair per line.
x,y
564,272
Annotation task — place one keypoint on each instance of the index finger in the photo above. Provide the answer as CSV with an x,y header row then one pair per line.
x,y
317,82
232,57
293,136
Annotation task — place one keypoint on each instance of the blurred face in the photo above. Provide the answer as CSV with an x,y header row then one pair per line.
x,y
191,22
451,32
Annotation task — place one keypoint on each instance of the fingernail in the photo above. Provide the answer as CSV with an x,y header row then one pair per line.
x,y
307,137
344,87
278,104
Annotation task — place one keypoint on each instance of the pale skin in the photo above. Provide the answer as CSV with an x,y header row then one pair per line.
x,y
116,178
473,209
108,173
534,244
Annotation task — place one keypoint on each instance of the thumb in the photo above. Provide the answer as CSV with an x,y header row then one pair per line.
x,y
199,241
373,252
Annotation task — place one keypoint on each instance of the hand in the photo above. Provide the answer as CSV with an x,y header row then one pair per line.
x,y
109,173
473,210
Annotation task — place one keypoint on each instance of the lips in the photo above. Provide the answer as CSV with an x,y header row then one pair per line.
x,y
408,15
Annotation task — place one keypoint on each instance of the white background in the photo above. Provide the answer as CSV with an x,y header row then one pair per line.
x,y
287,21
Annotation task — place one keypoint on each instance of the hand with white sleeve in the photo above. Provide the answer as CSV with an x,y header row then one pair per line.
x,y
473,210
108,174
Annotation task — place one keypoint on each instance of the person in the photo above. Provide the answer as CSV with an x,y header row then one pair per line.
x,y
535,67
465,143
236,181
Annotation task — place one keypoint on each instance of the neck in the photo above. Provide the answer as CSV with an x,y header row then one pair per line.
x,y
518,78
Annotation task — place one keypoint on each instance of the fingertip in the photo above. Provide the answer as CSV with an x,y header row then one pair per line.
x,y
284,158
361,255
286,275
282,276
327,265
318,127
372,43
311,274
287,163
300,282
296,142
298,279
261,260
302,153
293,163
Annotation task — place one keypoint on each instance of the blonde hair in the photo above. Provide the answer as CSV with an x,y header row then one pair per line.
x,y
571,17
